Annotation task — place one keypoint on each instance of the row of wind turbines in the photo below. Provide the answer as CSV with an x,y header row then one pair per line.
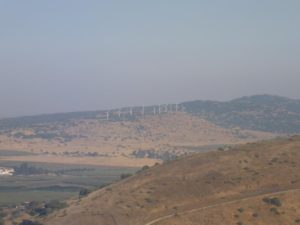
x,y
136,112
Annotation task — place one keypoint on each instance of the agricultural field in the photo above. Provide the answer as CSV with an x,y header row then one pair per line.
x,y
59,182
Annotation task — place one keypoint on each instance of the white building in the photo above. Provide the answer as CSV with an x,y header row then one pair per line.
x,y
6,171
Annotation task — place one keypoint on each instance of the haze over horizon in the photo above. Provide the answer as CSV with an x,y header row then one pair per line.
x,y
62,56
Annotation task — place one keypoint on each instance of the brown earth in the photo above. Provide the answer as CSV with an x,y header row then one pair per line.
x,y
234,182
114,142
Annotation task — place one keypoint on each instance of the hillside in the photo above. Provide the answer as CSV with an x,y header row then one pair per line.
x,y
137,142
256,183
260,112
136,136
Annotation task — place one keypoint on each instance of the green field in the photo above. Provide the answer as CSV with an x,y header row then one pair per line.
x,y
18,189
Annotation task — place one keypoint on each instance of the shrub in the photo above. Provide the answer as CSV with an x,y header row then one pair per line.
x,y
148,200
276,201
41,211
144,168
241,210
221,149
125,175
274,210
84,192
273,201
55,205
2,214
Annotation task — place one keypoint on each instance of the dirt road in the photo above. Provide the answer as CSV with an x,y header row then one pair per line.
x,y
217,205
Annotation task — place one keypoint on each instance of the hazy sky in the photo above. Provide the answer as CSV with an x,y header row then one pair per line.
x,y
69,55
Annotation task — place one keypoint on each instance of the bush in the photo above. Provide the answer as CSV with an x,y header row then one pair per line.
x,y
84,192
221,149
2,214
274,210
241,210
144,168
273,201
26,169
40,211
55,205
276,201
125,175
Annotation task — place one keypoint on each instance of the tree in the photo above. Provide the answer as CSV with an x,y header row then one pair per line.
x,y
83,192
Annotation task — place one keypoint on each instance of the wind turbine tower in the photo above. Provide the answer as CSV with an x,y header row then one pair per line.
x,y
131,112
107,115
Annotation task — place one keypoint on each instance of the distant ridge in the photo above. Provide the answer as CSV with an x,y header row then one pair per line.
x,y
258,112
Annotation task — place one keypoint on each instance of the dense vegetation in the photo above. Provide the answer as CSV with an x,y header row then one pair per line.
x,y
152,154
260,112
26,169
44,209
29,121
46,135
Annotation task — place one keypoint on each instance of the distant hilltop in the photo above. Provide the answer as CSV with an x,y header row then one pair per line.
x,y
259,112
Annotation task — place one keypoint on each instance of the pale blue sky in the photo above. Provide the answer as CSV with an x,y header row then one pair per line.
x,y
69,55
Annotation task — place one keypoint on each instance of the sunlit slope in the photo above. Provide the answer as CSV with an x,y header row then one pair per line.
x,y
94,141
214,187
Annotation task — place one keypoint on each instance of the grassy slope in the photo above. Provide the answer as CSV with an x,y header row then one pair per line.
x,y
198,181
115,141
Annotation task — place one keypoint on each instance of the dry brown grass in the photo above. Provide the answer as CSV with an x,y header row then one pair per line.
x,y
197,181
253,211
178,132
